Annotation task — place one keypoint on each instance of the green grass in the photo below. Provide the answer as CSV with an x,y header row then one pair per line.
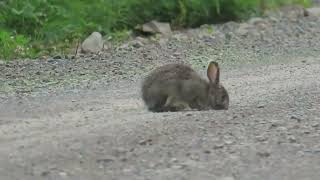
x,y
38,27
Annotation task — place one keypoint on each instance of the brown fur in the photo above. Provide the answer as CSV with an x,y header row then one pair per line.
x,y
175,87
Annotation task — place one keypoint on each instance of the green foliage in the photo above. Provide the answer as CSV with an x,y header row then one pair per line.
x,y
276,3
54,24
120,36
13,46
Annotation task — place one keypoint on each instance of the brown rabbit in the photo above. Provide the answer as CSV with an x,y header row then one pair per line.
x,y
176,87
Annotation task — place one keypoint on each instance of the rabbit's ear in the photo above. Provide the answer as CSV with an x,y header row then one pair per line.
x,y
213,72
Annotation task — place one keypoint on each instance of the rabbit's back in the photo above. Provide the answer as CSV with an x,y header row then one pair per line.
x,y
169,72
174,87
163,81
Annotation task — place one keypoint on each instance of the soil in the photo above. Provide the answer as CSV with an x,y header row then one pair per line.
x,y
83,117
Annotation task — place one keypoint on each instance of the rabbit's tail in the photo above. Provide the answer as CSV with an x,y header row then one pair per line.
x,y
153,102
156,105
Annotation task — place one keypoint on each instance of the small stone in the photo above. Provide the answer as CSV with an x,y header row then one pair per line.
x,y
314,11
273,19
261,138
275,123
293,12
52,61
137,44
70,56
295,118
163,42
104,161
283,129
228,142
315,125
180,37
218,146
306,131
128,170
154,27
260,106
120,151
207,151
243,29
152,165
93,43
232,117
178,166
312,151
145,142
229,27
174,160
176,54
264,154
292,139
142,39
63,174
227,178
205,26
256,20
45,173
57,57
194,157
124,159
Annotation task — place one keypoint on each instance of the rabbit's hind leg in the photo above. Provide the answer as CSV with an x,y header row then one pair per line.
x,y
173,104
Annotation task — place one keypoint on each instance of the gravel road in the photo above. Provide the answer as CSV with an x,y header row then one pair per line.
x,y
83,118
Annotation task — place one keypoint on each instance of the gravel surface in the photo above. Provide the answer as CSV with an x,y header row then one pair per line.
x,y
83,118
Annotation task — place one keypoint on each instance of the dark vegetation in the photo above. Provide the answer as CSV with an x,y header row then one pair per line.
x,y
32,28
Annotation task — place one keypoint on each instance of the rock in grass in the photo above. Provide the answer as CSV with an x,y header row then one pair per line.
x,y
93,43
256,20
293,12
243,29
290,12
314,11
139,42
154,27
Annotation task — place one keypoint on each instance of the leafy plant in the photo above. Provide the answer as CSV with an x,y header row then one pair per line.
x,y
52,25
13,46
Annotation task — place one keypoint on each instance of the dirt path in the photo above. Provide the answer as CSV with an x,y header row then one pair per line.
x,y
84,119
271,131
